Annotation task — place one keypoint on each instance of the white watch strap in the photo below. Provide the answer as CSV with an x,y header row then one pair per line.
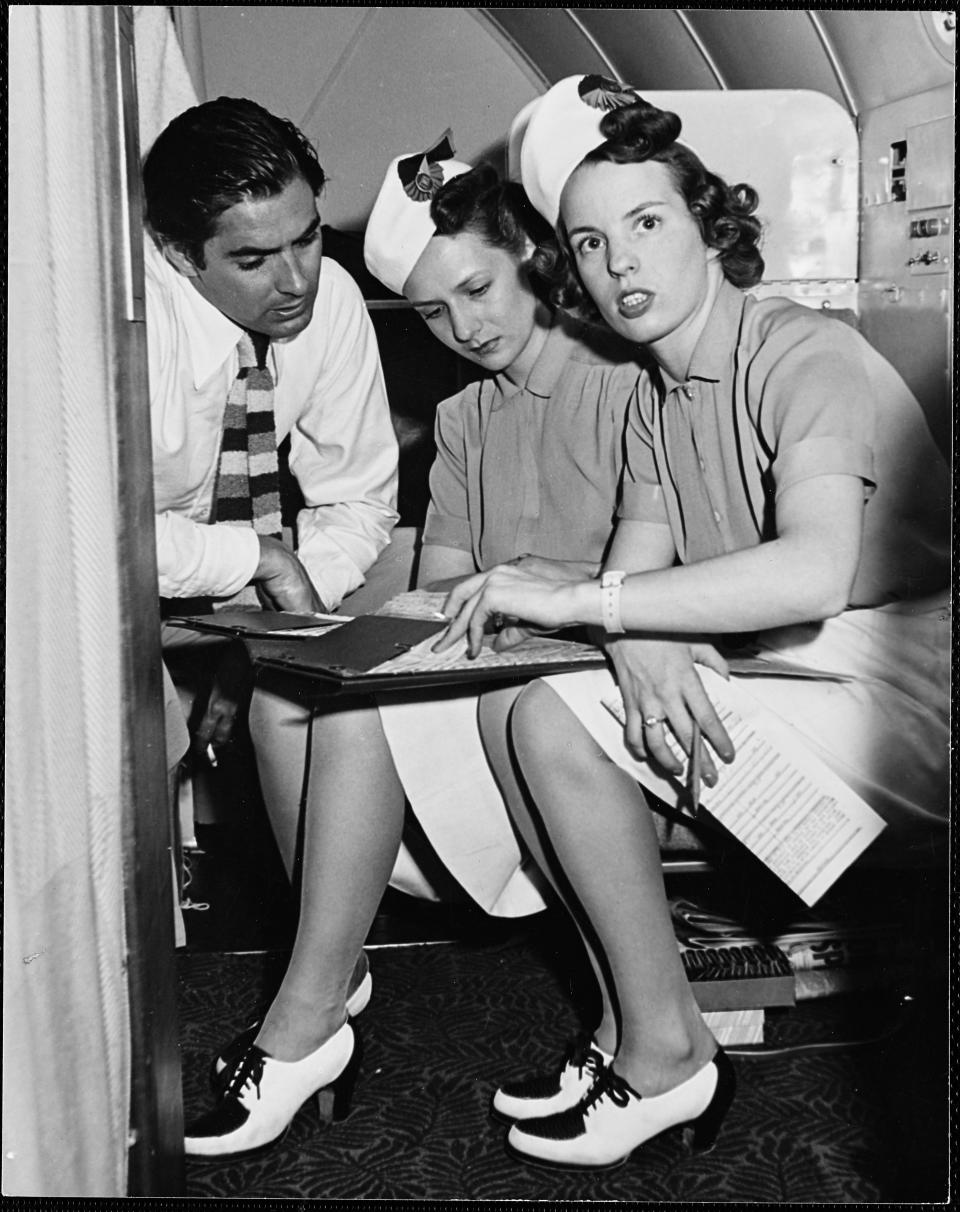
x,y
610,584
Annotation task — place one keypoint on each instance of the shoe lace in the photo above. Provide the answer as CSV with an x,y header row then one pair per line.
x,y
583,1055
609,1084
232,1081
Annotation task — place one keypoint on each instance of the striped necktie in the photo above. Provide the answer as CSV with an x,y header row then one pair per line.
x,y
248,479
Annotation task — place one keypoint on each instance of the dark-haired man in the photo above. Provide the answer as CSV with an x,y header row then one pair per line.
x,y
231,205
236,256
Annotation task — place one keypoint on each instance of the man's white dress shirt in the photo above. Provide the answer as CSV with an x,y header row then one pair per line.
x,y
329,396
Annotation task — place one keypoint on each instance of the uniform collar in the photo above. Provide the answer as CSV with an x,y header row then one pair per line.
x,y
711,354
546,371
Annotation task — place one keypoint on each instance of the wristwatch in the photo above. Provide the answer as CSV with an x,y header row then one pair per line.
x,y
610,583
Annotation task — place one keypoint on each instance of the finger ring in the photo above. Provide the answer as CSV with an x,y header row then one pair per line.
x,y
651,721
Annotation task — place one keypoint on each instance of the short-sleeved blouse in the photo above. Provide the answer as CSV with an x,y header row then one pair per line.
x,y
777,393
535,469
519,469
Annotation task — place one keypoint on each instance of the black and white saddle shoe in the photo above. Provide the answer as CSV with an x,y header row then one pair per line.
x,y
356,1003
613,1119
548,1093
259,1096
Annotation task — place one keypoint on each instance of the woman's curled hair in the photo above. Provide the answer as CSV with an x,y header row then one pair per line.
x,y
500,214
725,213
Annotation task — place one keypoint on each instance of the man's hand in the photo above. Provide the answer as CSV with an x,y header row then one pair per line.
x,y
229,695
658,681
282,581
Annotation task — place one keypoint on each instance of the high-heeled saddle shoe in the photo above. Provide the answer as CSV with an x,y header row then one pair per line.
x,y
356,1003
613,1119
258,1097
548,1093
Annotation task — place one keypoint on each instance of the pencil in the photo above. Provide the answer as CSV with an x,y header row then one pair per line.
x,y
693,770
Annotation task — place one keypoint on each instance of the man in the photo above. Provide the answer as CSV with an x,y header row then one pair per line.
x,y
235,271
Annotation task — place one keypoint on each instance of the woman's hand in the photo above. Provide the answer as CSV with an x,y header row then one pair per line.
x,y
658,681
555,570
508,590
512,636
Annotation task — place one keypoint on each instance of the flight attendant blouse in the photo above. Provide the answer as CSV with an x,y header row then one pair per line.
x,y
777,393
535,469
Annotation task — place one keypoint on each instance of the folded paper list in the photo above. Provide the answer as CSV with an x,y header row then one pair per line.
x,y
777,797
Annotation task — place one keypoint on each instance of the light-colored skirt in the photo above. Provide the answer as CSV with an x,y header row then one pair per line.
x,y
885,732
439,756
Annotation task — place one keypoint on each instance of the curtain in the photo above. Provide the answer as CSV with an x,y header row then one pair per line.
x,y
66,1049
186,20
164,85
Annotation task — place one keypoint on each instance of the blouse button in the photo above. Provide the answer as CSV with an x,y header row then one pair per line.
x,y
716,516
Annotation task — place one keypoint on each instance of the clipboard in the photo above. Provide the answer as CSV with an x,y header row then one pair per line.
x,y
243,624
348,658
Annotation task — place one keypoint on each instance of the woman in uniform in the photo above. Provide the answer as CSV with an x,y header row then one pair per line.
x,y
781,481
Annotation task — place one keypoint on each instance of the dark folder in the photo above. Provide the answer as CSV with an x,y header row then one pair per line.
x,y
346,658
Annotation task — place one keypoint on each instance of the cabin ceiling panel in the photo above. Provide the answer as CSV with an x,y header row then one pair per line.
x,y
550,40
277,54
878,56
888,55
766,48
650,48
365,84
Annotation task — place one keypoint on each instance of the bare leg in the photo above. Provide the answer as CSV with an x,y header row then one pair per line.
x,y
603,834
351,835
278,726
494,716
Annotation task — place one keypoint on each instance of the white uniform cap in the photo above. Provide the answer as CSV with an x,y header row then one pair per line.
x,y
556,131
400,226
518,128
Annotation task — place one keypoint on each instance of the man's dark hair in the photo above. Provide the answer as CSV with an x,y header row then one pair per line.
x,y
213,156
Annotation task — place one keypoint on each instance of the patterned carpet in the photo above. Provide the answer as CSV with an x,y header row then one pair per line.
x,y
857,1122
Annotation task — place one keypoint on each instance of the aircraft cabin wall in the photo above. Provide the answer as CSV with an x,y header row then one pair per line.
x,y
365,83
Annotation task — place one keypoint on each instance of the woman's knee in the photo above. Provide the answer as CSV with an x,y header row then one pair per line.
x,y
494,708
546,733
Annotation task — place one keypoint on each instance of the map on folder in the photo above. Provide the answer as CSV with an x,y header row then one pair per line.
x,y
389,650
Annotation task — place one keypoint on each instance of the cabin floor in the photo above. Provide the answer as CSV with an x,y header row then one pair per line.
x,y
846,1100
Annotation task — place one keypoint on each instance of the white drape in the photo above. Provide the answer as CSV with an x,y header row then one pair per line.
x,y
164,84
66,1032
